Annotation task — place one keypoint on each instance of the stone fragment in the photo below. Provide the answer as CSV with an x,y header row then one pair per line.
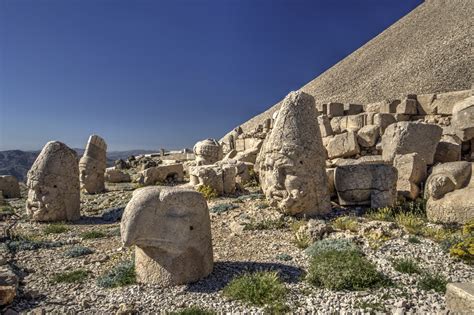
x,y
8,285
9,186
389,106
121,164
368,135
460,298
343,145
339,124
92,165
330,174
208,151
249,155
53,185
444,102
355,122
220,177
401,117
335,109
463,119
448,149
171,230
411,172
291,163
113,175
407,106
383,120
410,137
353,109
366,184
170,173
324,126
425,104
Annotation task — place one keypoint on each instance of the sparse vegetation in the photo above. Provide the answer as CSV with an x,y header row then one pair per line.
x,y
436,282
269,224
406,265
78,251
88,235
259,288
343,270
193,310
412,223
331,245
381,214
464,250
224,207
71,277
283,257
6,210
253,179
263,205
121,275
208,192
250,197
346,223
55,228
29,242
413,240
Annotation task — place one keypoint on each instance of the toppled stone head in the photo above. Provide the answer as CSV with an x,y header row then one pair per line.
x,y
207,152
291,163
53,183
92,165
171,230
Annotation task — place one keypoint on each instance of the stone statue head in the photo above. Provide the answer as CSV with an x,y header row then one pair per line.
x,y
208,151
171,228
92,165
53,185
291,163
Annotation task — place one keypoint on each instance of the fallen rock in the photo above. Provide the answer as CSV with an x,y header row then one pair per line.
x,y
448,149
162,174
8,285
368,135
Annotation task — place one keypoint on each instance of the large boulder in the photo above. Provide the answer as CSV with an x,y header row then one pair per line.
x,y
113,175
291,163
171,230
53,185
162,174
366,184
9,186
343,145
92,165
463,119
410,137
411,172
207,152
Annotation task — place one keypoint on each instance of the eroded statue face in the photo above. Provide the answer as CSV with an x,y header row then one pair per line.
x,y
281,175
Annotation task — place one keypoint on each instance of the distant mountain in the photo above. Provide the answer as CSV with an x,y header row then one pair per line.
x,y
17,162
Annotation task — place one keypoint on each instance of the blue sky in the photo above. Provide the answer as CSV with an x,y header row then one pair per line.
x,y
149,74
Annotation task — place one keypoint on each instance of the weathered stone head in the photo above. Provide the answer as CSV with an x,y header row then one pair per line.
x,y
208,151
172,233
291,163
53,183
92,165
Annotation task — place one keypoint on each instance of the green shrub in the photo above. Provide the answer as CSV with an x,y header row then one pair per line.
x,y
346,223
301,239
224,207
265,225
6,210
329,244
250,197
413,239
259,288
263,205
411,222
78,251
89,235
29,244
464,250
71,277
436,234
381,214
283,257
343,270
406,265
468,228
208,192
193,310
55,228
120,275
436,282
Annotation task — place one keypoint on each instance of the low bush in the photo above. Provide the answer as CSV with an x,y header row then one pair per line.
x,y
55,228
224,207
6,210
346,223
381,214
269,224
464,250
71,277
413,239
20,244
193,310
255,196
121,275
329,244
259,288
412,223
406,265
436,282
208,192
343,270
78,251
89,235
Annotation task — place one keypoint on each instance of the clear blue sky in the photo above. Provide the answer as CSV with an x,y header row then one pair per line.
x,y
149,74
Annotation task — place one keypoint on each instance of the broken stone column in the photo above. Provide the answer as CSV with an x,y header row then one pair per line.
x,y
208,151
171,231
92,165
291,163
409,137
411,172
53,183
9,186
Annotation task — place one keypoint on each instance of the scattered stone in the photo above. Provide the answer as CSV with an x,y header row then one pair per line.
x,y
463,119
8,285
170,173
92,165
448,149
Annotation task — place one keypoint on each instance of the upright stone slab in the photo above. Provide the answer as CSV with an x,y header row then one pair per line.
x,y
53,185
411,172
92,165
409,137
366,184
171,230
463,119
291,163
9,186
324,126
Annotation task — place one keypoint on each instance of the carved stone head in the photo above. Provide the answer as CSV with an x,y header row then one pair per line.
x,y
53,183
92,165
208,151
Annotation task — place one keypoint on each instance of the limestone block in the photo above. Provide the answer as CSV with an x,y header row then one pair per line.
x,y
113,175
445,102
9,186
447,177
8,285
407,106
383,120
410,137
324,126
456,206
335,109
460,298
353,109
368,135
171,230
411,172
425,104
355,122
343,145
448,149
463,119
389,106
366,184
339,124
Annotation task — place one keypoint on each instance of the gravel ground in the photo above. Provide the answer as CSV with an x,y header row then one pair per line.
x,y
236,250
